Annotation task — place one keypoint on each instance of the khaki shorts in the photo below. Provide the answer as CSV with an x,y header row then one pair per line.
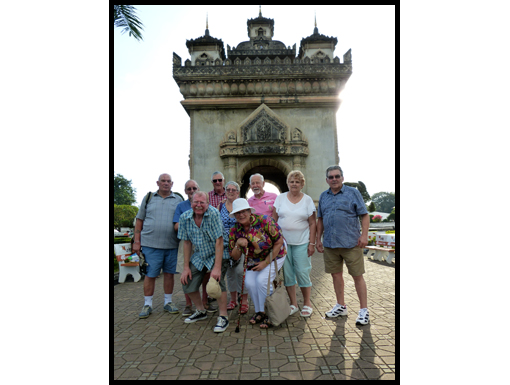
x,y
334,260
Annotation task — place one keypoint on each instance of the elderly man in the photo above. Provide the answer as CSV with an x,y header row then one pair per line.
x,y
154,232
338,212
189,188
217,195
262,201
201,229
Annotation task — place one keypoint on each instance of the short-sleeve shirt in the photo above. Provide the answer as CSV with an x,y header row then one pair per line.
x,y
216,199
293,218
202,238
181,207
339,213
263,233
264,205
158,228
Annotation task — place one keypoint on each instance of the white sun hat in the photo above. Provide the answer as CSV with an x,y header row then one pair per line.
x,y
240,204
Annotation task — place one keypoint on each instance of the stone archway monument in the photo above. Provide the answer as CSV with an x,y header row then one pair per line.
x,y
263,108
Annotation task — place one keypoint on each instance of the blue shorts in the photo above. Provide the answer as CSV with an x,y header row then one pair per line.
x,y
158,259
298,266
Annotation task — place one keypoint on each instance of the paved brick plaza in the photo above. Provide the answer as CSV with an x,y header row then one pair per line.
x,y
163,347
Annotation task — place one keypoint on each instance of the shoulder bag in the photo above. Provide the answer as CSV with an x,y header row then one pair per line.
x,y
276,305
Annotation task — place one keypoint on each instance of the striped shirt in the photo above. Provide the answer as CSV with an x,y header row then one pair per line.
x,y
202,238
339,213
158,228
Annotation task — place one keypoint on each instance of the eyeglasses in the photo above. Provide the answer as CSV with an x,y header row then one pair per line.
x,y
231,190
334,177
217,180
192,188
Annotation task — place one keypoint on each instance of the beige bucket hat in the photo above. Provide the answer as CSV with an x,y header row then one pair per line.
x,y
213,288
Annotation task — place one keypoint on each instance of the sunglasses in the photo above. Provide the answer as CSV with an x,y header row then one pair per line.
x,y
231,190
217,180
192,188
334,177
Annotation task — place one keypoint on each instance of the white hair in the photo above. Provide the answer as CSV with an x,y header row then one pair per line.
x,y
261,177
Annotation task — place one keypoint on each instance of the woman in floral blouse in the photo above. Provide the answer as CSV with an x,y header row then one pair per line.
x,y
256,236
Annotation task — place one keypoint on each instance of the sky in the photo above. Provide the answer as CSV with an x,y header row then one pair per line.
x,y
151,128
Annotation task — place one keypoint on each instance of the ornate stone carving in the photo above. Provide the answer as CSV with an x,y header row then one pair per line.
x,y
263,133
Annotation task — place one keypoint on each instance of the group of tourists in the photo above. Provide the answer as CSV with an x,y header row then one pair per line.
x,y
236,242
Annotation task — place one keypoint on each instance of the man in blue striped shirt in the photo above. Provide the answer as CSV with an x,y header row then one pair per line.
x,y
338,212
201,229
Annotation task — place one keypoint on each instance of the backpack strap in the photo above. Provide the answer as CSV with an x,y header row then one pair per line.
x,y
148,198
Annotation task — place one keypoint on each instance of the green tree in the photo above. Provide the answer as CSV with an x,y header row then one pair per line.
x,y
391,217
361,188
384,201
123,192
371,207
124,215
124,16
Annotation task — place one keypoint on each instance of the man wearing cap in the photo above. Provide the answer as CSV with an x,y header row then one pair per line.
x,y
262,201
201,229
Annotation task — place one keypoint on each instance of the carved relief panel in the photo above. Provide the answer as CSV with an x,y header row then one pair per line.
x,y
263,133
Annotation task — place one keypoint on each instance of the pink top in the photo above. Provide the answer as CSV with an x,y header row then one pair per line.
x,y
264,205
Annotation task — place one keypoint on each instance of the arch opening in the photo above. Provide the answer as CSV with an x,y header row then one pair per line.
x,y
272,175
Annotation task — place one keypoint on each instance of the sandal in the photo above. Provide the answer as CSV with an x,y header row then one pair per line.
x,y
257,318
244,308
293,309
306,309
232,305
266,324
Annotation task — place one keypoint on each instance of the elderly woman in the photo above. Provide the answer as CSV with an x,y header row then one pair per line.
x,y
295,213
235,270
260,238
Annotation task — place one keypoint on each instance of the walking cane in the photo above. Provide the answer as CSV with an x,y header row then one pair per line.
x,y
242,292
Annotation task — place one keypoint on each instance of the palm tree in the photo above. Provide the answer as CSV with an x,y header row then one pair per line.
x,y
124,16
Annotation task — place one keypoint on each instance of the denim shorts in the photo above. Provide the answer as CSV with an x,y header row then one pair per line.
x,y
158,259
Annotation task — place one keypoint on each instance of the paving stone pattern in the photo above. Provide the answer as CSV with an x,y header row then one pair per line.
x,y
163,347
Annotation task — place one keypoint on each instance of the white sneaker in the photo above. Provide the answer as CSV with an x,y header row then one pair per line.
x,y
222,324
337,311
362,317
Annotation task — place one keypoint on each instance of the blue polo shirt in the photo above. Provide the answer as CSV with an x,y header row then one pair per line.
x,y
181,207
339,213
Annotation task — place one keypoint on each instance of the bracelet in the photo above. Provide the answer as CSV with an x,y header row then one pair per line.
x,y
310,243
267,263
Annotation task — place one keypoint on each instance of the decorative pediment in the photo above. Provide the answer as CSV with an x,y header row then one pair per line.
x,y
263,133
263,125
